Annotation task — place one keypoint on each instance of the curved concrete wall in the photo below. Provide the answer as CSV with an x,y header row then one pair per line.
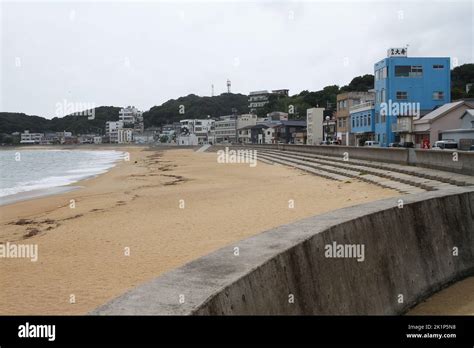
x,y
409,253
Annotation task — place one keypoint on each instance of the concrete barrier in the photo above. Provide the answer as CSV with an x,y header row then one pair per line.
x,y
409,253
453,161
436,159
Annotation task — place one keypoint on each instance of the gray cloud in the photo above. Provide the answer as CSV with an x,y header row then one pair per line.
x,y
127,53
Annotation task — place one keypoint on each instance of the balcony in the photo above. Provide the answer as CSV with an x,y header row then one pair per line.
x,y
363,106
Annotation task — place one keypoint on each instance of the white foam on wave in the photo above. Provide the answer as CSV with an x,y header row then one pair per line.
x,y
103,161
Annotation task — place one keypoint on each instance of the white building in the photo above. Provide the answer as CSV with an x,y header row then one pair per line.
x,y
132,118
112,128
225,129
314,125
202,128
31,138
245,120
125,136
188,139
269,135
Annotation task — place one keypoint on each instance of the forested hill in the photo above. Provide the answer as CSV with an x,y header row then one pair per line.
x,y
193,106
18,122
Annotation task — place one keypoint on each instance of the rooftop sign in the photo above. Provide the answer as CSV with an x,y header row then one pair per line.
x,y
397,52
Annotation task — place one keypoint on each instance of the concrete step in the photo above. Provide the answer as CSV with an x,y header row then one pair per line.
x,y
309,169
426,184
431,174
347,173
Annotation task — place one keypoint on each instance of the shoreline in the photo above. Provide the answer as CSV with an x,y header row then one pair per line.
x,y
36,194
61,189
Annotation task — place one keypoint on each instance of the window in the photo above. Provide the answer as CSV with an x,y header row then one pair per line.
x,y
408,71
353,122
377,75
383,96
383,118
369,120
365,120
416,71
438,95
438,66
384,72
402,95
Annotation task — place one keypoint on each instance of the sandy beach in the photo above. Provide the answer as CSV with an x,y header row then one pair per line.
x,y
146,216
456,299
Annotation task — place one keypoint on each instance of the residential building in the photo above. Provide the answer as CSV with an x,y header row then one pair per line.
x,y
314,121
97,139
30,138
345,101
111,130
245,135
132,118
362,123
259,99
329,128
407,87
245,120
226,129
429,128
200,127
464,135
125,136
278,116
86,138
286,131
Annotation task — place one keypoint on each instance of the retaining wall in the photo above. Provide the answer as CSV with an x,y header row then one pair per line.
x,y
437,159
409,254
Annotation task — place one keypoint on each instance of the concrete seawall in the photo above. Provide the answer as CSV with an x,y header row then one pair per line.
x,y
437,159
409,253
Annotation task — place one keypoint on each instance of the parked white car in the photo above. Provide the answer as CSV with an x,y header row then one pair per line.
x,y
445,144
371,143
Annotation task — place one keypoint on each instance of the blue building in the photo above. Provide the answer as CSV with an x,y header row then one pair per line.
x,y
405,88
362,117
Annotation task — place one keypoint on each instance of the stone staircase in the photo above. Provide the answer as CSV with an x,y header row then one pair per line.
x,y
404,179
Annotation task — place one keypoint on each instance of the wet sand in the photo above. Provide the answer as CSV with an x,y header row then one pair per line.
x,y
457,299
165,208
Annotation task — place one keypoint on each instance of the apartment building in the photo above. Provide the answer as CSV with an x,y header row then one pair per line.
x,y
226,129
132,118
345,101
259,99
111,130
362,123
407,88
314,124
30,138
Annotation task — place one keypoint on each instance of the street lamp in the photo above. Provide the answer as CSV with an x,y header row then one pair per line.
x,y
327,127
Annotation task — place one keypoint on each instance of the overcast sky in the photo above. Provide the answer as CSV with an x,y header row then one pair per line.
x,y
144,53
